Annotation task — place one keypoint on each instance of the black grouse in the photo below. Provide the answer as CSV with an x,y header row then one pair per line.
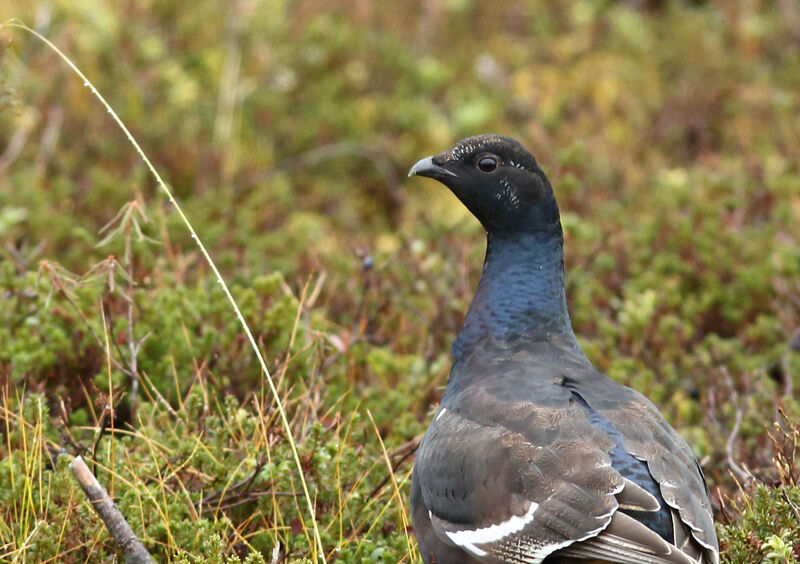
x,y
535,456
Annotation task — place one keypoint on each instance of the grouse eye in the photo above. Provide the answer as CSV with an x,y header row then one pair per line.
x,y
487,164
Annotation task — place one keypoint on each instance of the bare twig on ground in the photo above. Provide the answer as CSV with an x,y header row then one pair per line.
x,y
399,456
238,489
121,532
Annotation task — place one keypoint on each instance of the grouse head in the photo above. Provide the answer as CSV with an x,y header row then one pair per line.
x,y
498,181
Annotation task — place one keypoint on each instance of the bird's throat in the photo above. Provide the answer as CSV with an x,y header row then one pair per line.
x,y
520,297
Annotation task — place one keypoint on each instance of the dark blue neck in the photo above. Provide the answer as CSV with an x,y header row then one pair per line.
x,y
520,297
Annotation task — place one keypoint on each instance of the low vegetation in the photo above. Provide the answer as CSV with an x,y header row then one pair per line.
x,y
670,132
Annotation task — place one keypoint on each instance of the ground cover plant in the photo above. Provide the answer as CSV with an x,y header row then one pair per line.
x,y
284,129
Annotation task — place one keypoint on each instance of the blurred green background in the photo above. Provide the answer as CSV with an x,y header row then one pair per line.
x,y
670,131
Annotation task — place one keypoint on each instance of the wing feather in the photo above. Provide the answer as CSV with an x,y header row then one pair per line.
x,y
626,540
509,480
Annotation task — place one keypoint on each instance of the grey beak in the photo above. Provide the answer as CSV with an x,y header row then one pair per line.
x,y
426,167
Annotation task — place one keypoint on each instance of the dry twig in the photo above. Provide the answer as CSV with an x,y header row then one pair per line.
x,y
121,532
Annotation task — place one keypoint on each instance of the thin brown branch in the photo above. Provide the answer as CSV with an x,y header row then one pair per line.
x,y
102,424
244,485
734,434
66,433
114,341
250,497
158,397
133,365
404,451
97,338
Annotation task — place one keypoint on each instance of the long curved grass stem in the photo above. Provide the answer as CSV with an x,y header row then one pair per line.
x,y
211,264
